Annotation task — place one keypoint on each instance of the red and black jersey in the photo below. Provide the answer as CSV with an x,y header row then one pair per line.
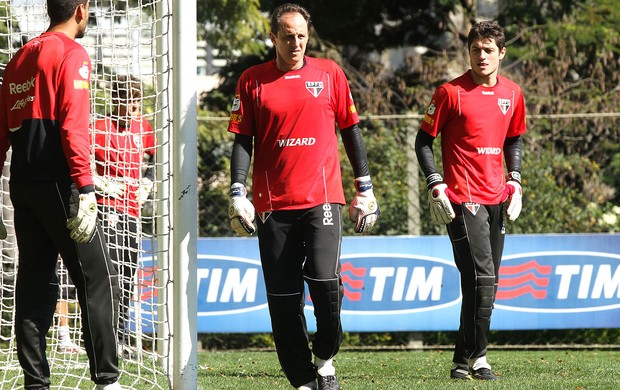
x,y
292,117
45,110
119,152
474,121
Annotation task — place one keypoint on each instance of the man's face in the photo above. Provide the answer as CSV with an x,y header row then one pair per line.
x,y
290,41
484,58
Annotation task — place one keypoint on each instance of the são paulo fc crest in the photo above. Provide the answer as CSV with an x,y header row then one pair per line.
x,y
314,87
504,105
472,207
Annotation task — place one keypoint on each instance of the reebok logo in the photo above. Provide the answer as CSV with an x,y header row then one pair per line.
x,y
328,216
20,88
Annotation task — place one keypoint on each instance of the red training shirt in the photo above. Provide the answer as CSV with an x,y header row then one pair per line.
x,y
474,121
45,110
118,156
292,117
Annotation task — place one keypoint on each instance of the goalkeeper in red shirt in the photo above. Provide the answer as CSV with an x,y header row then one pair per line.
x,y
124,145
44,117
481,117
286,111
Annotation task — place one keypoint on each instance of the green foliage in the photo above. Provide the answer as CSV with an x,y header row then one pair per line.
x,y
234,27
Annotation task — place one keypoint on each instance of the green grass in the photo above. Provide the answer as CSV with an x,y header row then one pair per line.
x,y
545,369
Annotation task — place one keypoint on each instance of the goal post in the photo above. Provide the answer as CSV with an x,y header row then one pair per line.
x,y
155,42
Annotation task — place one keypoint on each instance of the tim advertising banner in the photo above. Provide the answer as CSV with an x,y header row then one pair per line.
x,y
410,283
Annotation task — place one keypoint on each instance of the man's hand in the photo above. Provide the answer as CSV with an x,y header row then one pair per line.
x,y
82,226
515,199
439,202
364,210
109,187
144,190
241,211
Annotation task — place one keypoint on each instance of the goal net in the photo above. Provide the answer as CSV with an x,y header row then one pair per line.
x,y
129,44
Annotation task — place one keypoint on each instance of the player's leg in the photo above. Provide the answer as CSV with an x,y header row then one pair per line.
x,y
470,236
36,289
282,257
322,237
96,281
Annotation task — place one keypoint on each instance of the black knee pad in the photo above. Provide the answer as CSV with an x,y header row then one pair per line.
x,y
485,293
326,298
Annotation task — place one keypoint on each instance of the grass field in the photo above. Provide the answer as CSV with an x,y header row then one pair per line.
x,y
544,369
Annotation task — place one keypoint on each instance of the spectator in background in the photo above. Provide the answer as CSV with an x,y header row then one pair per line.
x,y
44,117
289,108
480,114
124,141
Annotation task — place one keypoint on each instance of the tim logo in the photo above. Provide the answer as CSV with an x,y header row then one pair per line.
x,y
559,281
397,283
314,87
504,105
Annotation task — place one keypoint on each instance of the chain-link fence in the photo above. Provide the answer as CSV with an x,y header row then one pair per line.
x,y
571,165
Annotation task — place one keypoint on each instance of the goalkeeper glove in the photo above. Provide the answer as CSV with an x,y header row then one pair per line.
x,y
2,230
514,194
109,187
240,211
439,199
144,190
82,226
364,210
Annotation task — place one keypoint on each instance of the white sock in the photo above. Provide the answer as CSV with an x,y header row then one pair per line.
x,y
479,363
308,386
63,333
324,367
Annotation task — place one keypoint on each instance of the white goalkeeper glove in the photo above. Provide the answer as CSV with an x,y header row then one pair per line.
x,y
364,210
241,211
109,187
515,196
3,233
82,226
440,205
144,190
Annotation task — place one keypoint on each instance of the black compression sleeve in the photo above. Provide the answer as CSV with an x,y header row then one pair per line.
x,y
240,158
512,153
356,150
424,152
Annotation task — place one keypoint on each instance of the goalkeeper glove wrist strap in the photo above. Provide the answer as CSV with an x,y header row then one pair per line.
x,y
363,183
514,176
433,179
237,189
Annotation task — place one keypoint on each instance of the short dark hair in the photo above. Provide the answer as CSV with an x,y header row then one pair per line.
x,y
287,8
60,11
486,29
125,88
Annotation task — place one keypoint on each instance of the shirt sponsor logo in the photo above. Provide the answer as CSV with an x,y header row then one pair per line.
x,y
236,104
295,76
309,141
83,71
559,282
489,150
491,93
21,87
314,87
504,105
80,84
431,109
21,103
